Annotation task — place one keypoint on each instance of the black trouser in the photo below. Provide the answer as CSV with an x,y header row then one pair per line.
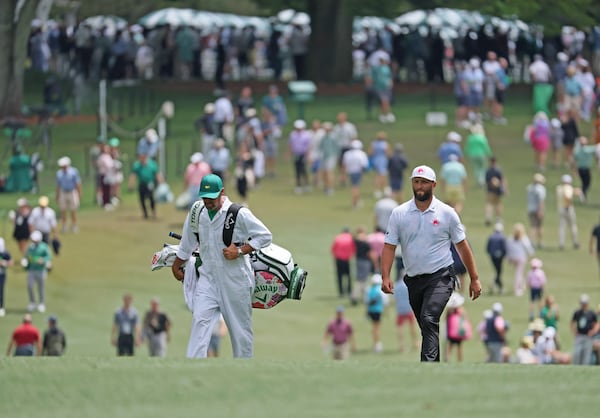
x,y
428,295
342,268
497,262
585,174
125,345
300,168
146,193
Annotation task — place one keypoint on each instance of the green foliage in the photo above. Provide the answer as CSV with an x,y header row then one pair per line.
x,y
132,10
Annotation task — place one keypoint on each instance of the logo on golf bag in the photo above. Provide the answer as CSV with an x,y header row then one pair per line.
x,y
269,290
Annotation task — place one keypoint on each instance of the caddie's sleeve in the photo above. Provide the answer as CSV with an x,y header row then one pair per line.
x,y
188,241
252,230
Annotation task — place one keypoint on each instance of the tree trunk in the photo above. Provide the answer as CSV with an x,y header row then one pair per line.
x,y
14,35
330,48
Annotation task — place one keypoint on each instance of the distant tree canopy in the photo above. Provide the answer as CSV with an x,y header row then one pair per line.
x,y
552,14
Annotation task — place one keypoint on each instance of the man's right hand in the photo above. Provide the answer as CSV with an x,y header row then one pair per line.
x,y
387,286
177,269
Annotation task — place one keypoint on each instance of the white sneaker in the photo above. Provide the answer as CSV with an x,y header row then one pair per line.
x,y
31,307
41,308
391,118
382,119
379,347
2,312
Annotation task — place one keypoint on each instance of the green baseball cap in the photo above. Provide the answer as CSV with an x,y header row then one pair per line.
x,y
210,186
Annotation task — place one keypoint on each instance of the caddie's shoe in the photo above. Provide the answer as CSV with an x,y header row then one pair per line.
x,y
2,312
31,307
41,308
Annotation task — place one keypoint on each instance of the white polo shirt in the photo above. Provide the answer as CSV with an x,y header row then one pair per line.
x,y
425,237
42,220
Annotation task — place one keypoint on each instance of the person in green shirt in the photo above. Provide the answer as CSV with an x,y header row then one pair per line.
x,y
38,258
550,313
477,151
146,171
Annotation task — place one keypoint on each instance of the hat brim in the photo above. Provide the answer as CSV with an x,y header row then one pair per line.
x,y
209,195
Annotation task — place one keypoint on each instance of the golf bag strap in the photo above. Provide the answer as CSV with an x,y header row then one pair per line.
x,y
195,212
229,224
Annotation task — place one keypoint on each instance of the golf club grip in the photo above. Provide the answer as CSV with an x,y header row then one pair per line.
x,y
174,235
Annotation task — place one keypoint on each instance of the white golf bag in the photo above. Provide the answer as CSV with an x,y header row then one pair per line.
x,y
276,276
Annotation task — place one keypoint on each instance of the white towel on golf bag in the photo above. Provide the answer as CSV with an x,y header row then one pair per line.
x,y
190,279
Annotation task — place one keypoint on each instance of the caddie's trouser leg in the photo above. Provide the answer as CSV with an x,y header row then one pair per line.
x,y
236,307
428,298
204,317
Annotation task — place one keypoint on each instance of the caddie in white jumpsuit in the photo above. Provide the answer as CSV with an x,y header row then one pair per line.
x,y
226,279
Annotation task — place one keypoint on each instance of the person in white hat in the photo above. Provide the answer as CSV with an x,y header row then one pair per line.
x,y
451,146
148,144
584,325
68,192
496,328
536,280
355,161
565,194
43,218
298,148
194,172
38,261
458,326
536,207
376,301
425,228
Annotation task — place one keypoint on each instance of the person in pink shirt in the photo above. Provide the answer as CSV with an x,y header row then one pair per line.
x,y
376,241
196,169
536,280
343,250
341,334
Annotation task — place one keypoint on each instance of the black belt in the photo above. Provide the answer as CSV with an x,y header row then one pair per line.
x,y
443,272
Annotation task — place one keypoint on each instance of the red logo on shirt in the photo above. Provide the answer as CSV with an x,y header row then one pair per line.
x,y
435,222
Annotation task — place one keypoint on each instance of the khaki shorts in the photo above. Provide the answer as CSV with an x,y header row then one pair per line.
x,y
454,194
68,200
534,220
341,351
493,198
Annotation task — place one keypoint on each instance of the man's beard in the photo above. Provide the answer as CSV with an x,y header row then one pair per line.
x,y
423,197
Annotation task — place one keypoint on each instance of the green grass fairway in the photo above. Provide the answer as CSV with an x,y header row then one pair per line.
x,y
290,375
261,388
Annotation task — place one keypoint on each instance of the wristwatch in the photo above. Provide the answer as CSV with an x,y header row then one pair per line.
x,y
240,252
